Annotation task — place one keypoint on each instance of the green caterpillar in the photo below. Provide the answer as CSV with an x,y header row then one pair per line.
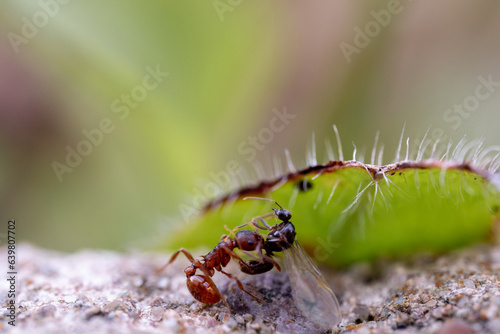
x,y
348,211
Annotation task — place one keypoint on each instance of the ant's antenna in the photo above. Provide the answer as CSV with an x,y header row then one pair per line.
x,y
263,199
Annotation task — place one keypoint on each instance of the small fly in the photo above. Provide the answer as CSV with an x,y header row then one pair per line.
x,y
312,295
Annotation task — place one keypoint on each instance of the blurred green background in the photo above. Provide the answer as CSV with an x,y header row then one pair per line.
x,y
65,66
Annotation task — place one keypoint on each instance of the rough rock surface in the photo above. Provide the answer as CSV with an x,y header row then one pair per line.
x,y
107,292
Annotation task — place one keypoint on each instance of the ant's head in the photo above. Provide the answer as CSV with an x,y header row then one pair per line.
x,y
248,240
283,214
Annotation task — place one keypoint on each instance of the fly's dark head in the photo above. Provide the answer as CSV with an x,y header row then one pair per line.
x,y
283,214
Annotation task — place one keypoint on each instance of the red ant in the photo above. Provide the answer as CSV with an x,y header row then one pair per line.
x,y
312,294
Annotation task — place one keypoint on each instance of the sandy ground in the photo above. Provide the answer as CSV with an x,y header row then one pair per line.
x,y
107,292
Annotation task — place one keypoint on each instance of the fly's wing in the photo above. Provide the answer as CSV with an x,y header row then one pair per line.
x,y
311,293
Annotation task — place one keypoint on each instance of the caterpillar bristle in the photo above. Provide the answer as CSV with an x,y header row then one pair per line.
x,y
339,143
380,156
374,149
289,162
398,150
318,200
329,150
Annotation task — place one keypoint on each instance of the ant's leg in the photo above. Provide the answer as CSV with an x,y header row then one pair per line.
x,y
240,285
261,218
262,258
237,257
172,259
265,225
250,254
270,259
254,222
265,258
231,234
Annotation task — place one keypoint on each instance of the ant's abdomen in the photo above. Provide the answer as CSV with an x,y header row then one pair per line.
x,y
203,289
